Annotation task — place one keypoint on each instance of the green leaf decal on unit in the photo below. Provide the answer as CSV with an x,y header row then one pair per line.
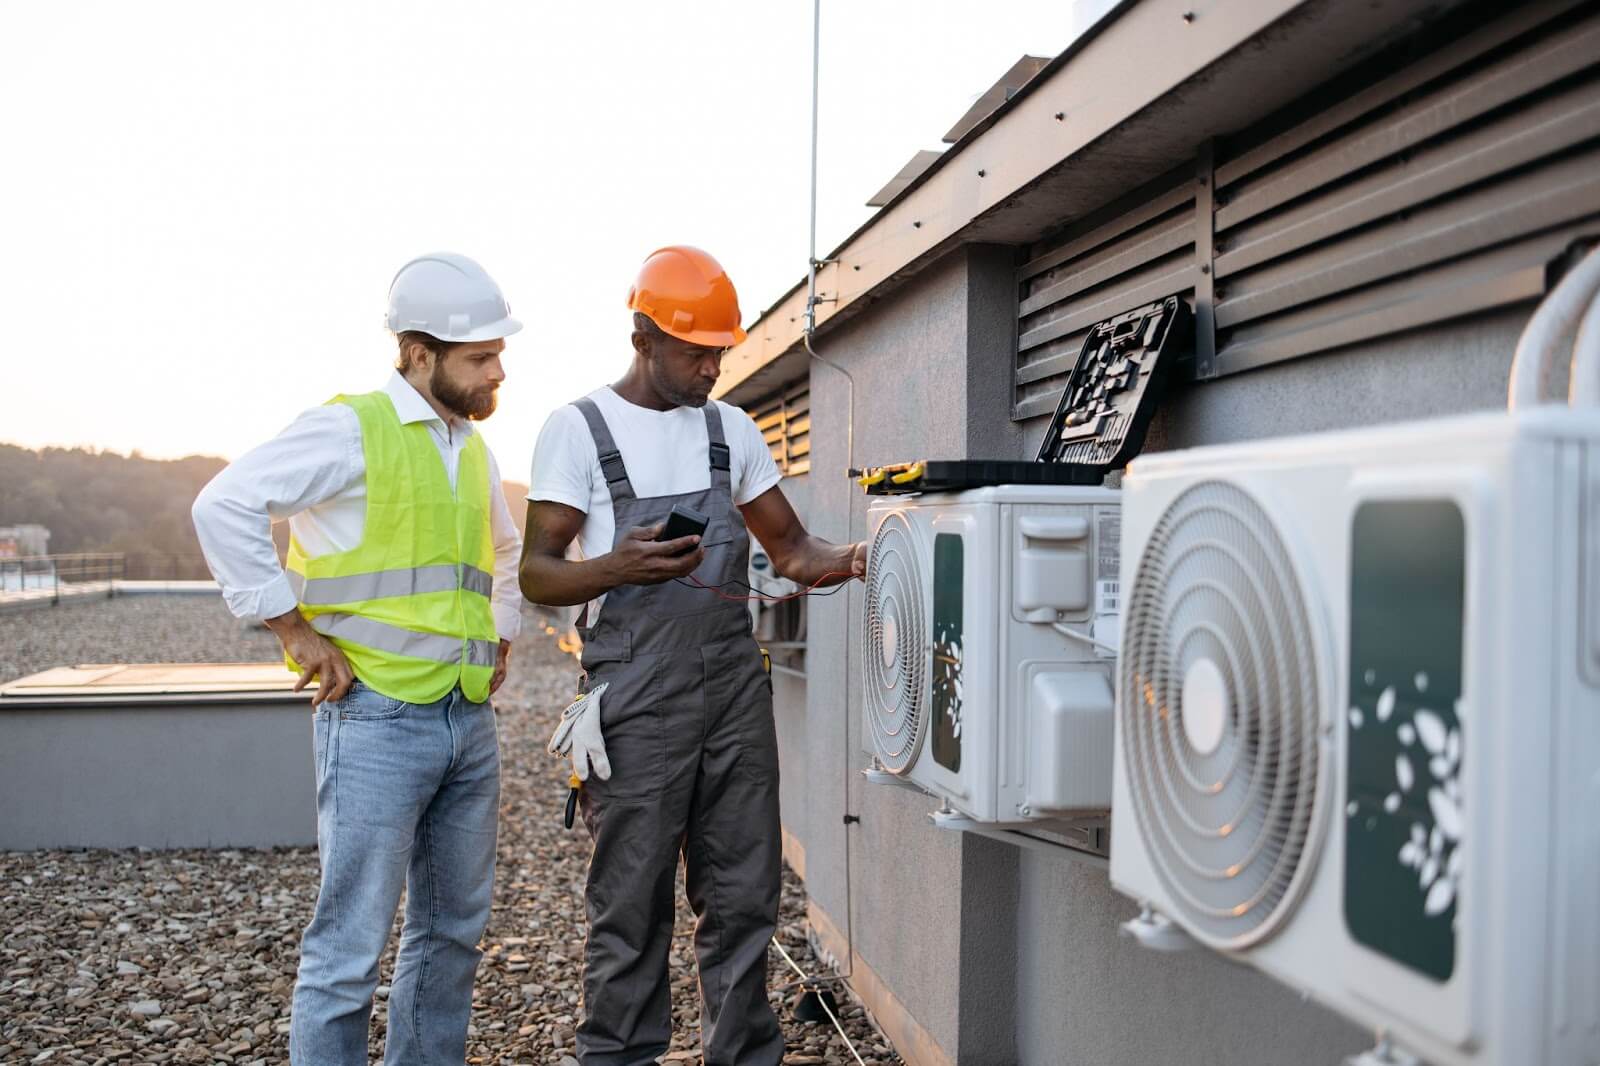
x,y
1403,816
948,566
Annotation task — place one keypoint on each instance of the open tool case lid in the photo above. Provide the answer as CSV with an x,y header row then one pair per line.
x,y
1099,424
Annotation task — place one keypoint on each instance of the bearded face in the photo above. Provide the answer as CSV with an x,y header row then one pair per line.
x,y
463,386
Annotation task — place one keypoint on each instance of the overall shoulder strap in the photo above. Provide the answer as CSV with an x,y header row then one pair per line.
x,y
611,466
721,474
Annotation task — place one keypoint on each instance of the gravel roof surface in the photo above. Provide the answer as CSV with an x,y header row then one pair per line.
x,y
189,956
129,629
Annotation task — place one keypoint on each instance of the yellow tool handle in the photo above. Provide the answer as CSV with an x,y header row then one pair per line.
x,y
912,472
567,816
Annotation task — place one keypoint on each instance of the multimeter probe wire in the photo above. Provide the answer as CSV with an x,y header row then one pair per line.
x,y
810,590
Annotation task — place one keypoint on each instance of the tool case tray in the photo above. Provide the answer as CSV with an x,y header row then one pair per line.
x,y
1099,423
954,475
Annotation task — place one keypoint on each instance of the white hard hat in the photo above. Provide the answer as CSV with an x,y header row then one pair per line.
x,y
450,297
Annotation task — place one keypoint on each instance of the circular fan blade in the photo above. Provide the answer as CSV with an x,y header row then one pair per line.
x,y
896,648
1221,707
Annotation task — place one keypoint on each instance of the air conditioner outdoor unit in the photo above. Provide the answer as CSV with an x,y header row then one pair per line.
x,y
1358,724
777,613
983,685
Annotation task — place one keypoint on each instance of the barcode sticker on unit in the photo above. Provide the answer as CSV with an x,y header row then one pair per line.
x,y
1108,544
1108,597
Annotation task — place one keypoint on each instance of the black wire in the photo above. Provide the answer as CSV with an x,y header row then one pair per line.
x,y
759,595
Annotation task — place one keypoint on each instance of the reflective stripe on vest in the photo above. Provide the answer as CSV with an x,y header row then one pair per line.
x,y
431,646
382,584
409,606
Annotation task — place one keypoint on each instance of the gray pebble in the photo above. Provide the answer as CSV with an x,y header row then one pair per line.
x,y
213,936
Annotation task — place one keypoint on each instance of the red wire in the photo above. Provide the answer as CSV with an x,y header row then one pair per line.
x,y
808,590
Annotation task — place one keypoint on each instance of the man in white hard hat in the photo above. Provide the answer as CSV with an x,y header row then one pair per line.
x,y
400,600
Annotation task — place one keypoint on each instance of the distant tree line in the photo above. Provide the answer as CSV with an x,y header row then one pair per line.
x,y
94,501
101,501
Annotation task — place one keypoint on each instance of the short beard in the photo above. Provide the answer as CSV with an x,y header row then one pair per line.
x,y
673,394
472,406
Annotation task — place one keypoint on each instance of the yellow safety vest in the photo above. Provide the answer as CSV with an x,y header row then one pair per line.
x,y
409,606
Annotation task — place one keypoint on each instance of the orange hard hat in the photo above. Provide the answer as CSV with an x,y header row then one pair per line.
x,y
688,294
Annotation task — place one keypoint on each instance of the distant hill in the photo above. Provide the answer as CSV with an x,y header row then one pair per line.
x,y
94,501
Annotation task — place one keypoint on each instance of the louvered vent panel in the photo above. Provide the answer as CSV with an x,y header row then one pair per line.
x,y
1441,185
1092,272
784,419
1438,192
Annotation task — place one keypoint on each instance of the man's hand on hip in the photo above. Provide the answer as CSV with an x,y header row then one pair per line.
x,y
316,656
501,661
640,559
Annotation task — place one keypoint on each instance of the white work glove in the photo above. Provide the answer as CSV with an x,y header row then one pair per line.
x,y
578,735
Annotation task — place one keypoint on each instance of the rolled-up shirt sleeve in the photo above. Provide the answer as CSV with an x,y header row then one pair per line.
x,y
313,460
506,599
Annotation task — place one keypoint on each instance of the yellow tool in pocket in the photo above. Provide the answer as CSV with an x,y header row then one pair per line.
x,y
573,785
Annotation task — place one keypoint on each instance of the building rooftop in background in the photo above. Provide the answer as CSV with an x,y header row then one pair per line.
x,y
23,540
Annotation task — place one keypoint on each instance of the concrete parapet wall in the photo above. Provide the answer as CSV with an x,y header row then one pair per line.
x,y
176,775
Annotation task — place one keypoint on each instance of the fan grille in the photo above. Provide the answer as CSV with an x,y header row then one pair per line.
x,y
896,646
1227,798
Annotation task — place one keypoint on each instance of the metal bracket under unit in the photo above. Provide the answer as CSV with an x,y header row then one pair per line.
x,y
1156,931
877,775
953,821
1384,1054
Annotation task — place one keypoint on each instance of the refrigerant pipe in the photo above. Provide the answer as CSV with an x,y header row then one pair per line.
x,y
1583,390
1555,317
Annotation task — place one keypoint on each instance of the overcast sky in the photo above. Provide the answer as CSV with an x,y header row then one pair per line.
x,y
204,203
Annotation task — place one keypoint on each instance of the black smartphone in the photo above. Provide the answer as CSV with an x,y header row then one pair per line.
x,y
683,521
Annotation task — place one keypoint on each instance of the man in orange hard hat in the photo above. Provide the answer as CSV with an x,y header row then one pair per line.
x,y
677,717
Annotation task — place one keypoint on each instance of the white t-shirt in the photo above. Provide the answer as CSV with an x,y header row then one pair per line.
x,y
666,452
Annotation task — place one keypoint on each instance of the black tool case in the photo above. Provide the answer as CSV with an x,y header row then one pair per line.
x,y
1100,421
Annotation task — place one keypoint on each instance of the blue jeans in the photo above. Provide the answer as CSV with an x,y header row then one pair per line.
x,y
407,796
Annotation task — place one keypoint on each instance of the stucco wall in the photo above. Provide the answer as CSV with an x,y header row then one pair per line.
x,y
908,361
999,955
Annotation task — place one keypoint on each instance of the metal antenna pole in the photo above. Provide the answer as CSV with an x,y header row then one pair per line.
x,y
850,461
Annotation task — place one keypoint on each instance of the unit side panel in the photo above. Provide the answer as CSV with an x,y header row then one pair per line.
x,y
1067,563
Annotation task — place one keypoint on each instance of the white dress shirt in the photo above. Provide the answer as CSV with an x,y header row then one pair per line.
x,y
314,474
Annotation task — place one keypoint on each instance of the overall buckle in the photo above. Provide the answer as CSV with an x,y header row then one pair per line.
x,y
611,466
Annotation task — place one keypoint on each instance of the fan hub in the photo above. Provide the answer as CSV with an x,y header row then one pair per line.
x,y
891,640
1205,706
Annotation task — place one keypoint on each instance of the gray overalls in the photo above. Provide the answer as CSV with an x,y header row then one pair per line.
x,y
688,728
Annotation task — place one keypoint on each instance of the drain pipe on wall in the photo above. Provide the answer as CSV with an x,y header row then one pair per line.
x,y
1584,390
1536,352
1583,387
812,300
